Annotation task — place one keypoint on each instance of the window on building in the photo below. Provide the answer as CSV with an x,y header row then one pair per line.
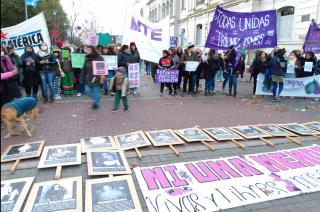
x,y
182,36
171,8
167,9
163,10
305,18
285,21
199,34
183,4
141,12
159,13
199,2
156,15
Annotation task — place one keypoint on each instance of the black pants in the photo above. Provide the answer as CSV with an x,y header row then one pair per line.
x,y
187,78
34,90
254,84
168,85
178,84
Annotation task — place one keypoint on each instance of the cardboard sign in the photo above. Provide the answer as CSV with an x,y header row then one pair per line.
x,y
290,68
167,76
163,137
65,54
308,66
299,129
222,134
249,132
313,125
14,192
134,75
274,130
112,194
191,66
112,61
106,162
93,40
100,68
105,142
78,60
56,195
132,140
193,134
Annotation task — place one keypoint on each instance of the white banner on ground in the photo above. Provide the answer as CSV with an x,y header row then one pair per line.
x,y
213,185
33,32
134,75
151,38
296,87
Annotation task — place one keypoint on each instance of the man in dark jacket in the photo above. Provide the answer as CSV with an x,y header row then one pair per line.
x,y
188,56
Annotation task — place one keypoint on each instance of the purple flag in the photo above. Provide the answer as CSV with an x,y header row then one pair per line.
x,y
312,42
254,30
167,76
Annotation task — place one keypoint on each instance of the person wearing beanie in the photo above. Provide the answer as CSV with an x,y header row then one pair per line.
x,y
120,86
187,56
166,63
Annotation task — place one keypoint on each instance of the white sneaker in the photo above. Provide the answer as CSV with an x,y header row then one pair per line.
x,y
58,97
78,94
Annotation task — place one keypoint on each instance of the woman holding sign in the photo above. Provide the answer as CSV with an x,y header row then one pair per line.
x,y
309,65
166,63
294,69
91,81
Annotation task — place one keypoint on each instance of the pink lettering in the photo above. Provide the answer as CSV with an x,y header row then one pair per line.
x,y
244,168
268,162
309,161
177,181
208,175
286,160
221,168
154,175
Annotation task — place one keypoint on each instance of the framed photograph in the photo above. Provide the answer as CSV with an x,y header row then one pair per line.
x,y
14,192
313,125
163,137
222,134
112,194
132,140
105,142
299,129
275,130
104,162
60,155
57,195
250,132
193,134
22,151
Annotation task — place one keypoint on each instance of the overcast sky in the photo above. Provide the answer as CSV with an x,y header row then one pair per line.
x,y
110,14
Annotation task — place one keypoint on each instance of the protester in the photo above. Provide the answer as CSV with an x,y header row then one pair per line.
x,y
177,63
100,49
113,50
79,75
16,61
136,55
242,62
219,72
197,74
181,66
209,72
59,74
105,51
31,77
125,57
120,86
148,67
271,55
166,63
296,63
278,67
9,85
92,82
188,55
260,65
309,57
231,71
47,63
300,56
67,80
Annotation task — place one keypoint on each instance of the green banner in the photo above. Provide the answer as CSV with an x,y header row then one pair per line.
x,y
65,54
77,60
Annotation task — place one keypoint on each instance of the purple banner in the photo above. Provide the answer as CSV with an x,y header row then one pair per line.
x,y
174,41
312,42
167,76
249,30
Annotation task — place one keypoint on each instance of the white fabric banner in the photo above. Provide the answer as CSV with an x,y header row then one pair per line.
x,y
33,32
151,38
296,87
213,185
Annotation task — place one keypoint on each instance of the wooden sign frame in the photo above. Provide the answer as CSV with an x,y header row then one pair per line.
x,y
183,135
263,134
35,189
141,133
236,136
309,125
154,142
23,193
122,158
45,154
312,132
85,147
287,133
38,152
128,179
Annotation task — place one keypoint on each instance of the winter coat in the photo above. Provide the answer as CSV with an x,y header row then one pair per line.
x,y
211,67
136,55
89,78
298,69
30,74
16,61
186,57
124,58
166,62
51,66
124,88
177,62
259,66
278,66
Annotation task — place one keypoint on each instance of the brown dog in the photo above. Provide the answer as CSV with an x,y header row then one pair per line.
x,y
16,110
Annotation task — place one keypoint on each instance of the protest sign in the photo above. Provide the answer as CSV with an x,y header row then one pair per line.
x,y
65,54
112,61
308,66
217,184
93,40
251,30
134,75
150,38
78,60
167,76
297,87
313,125
290,68
312,41
32,32
100,68
132,140
191,66
104,39
105,142
174,41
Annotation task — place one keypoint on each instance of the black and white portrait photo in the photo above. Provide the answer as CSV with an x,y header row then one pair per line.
x,y
60,195
20,151
97,142
313,125
300,129
117,194
249,132
163,137
222,134
275,130
106,162
193,134
13,193
132,140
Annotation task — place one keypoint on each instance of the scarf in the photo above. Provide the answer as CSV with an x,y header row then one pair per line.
x,y
43,53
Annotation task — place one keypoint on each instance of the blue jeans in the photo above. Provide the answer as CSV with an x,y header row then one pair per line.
x,y
105,85
209,85
226,77
275,87
219,75
195,83
148,69
94,93
80,86
233,82
47,77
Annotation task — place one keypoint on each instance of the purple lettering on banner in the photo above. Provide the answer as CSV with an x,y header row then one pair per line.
x,y
221,168
177,181
167,76
309,161
244,168
286,160
156,34
252,30
312,41
268,163
135,25
154,175
208,175
310,153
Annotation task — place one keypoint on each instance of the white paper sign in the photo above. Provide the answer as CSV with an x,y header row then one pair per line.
x,y
191,65
290,68
134,75
112,61
308,66
93,40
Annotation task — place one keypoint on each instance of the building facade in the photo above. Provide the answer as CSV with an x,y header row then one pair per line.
x,y
190,19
